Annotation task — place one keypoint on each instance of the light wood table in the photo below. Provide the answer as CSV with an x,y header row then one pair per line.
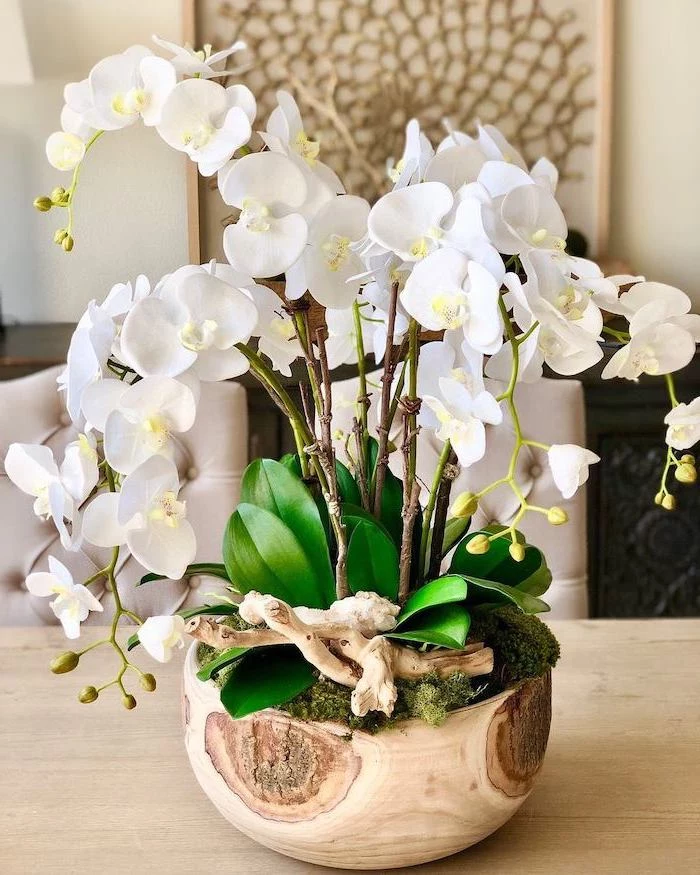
x,y
95,789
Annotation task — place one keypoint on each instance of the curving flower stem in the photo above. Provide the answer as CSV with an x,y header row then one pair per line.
x,y
74,181
671,458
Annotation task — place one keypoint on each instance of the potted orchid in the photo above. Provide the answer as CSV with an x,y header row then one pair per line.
x,y
372,657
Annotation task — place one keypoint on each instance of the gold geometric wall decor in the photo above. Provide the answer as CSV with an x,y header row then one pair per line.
x,y
360,69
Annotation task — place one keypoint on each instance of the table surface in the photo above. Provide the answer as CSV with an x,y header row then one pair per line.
x,y
95,789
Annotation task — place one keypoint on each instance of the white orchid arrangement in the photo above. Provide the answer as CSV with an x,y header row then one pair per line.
x,y
457,279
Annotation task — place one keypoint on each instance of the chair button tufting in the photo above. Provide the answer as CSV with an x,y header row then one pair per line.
x,y
536,471
65,419
192,473
195,582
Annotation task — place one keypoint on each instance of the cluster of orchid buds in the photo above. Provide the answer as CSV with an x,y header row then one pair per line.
x,y
468,242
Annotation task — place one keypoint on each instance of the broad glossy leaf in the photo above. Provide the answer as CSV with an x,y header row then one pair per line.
x,y
210,569
225,658
347,487
353,514
273,487
392,495
265,678
442,590
454,529
291,463
491,591
445,625
262,553
372,561
531,575
223,610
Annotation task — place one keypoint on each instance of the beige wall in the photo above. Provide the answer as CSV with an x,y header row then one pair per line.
x,y
130,214
655,217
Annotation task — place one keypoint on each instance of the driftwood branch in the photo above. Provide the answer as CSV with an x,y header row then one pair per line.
x,y
345,643
384,423
442,503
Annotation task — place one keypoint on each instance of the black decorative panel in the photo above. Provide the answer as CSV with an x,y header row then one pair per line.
x,y
648,559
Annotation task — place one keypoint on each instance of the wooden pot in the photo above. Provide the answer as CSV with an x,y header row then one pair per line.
x,y
404,796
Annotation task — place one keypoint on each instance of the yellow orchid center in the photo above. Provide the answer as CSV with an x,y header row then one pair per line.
x,y
450,309
131,102
308,149
396,171
198,335
86,448
645,360
157,430
168,510
337,251
283,327
199,136
255,216
567,304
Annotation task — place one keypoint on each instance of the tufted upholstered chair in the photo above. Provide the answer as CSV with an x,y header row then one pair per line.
x,y
210,458
551,411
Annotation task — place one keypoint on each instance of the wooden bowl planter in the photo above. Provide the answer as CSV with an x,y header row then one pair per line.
x,y
404,796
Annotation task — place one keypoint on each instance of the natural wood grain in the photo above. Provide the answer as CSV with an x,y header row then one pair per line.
x,y
95,789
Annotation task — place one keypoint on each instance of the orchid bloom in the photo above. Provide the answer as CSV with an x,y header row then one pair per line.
x,y
188,61
270,234
121,89
73,601
139,421
451,357
64,151
417,153
341,346
461,417
328,266
663,334
33,469
528,217
79,471
193,325
446,290
407,221
161,635
456,166
275,330
683,425
569,466
148,517
207,121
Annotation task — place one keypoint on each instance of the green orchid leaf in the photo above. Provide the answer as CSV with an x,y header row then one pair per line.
x,y
262,553
353,514
454,529
442,590
347,487
291,463
223,610
531,575
273,487
372,561
392,495
264,678
227,657
207,569
487,592
444,625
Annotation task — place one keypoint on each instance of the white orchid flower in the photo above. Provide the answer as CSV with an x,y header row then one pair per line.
x,y
33,469
649,303
654,349
328,266
64,151
161,635
456,166
496,148
270,235
79,472
527,218
446,290
286,134
140,420
146,516
417,154
193,325
407,221
121,89
569,466
188,61
207,121
341,346
683,425
275,330
73,601
450,358
74,123
461,417
465,231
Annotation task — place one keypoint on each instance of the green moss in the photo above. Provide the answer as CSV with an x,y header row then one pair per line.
x,y
523,646
431,699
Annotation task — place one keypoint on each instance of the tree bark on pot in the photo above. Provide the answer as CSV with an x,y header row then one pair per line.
x,y
404,796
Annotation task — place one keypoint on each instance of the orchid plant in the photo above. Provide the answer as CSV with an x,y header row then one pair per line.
x,y
457,280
